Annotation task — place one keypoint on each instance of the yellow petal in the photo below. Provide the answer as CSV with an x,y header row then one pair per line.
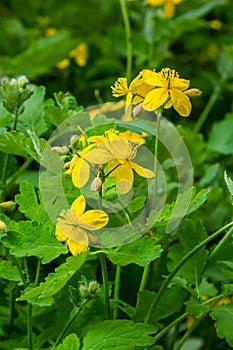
x,y
180,84
93,219
181,102
79,205
69,225
155,99
60,236
80,173
77,248
124,178
147,173
98,156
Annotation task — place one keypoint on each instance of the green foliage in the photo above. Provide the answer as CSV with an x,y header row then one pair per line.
x,y
120,333
54,281
161,261
223,316
146,247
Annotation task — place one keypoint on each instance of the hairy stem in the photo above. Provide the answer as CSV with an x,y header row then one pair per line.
x,y
105,283
129,45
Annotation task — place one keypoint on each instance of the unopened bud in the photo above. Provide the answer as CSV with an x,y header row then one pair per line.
x,y
193,92
3,227
67,165
96,184
137,110
9,205
60,150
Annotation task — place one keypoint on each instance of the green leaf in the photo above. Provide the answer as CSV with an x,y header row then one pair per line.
x,y
171,302
225,63
191,234
171,214
136,204
55,281
29,205
33,116
15,142
119,334
221,136
141,252
223,315
229,183
196,308
34,239
71,342
41,56
8,271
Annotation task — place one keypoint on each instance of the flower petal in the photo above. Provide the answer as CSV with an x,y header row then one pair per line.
x,y
181,102
80,173
76,247
180,84
93,219
69,225
60,236
98,156
79,205
155,99
147,173
124,178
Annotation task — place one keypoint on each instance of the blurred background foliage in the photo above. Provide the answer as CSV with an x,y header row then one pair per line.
x,y
39,39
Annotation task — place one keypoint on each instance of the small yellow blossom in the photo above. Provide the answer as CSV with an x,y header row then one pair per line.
x,y
51,31
80,54
168,91
73,226
169,6
63,64
215,24
135,93
119,154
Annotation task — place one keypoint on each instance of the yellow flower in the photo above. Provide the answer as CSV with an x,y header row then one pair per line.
x,y
120,163
51,31
73,225
168,91
63,64
113,134
135,93
169,6
80,54
79,166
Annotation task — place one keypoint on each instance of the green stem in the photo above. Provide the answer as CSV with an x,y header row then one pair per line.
x,y
177,268
220,244
29,326
159,115
129,46
19,171
68,324
143,282
117,290
37,273
26,270
172,324
208,106
105,283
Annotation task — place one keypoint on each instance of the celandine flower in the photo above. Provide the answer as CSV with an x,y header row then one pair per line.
x,y
80,54
135,93
169,6
119,153
73,226
168,91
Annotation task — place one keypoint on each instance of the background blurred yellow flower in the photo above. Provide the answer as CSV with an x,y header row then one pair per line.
x,y
169,6
80,54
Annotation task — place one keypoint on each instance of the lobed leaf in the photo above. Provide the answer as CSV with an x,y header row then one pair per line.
x,y
119,334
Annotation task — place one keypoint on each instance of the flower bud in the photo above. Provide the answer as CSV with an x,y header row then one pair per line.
x,y
3,227
9,205
14,93
90,290
96,184
60,150
137,110
193,92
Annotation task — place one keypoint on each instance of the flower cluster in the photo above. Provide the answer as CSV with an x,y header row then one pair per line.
x,y
111,154
156,90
